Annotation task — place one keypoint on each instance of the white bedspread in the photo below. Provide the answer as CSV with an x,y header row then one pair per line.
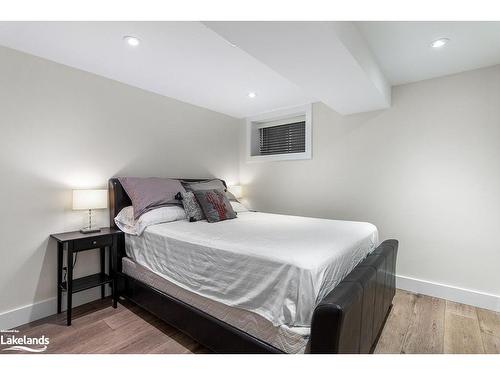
x,y
278,266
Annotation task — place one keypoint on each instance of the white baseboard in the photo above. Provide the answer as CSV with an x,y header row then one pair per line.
x,y
38,310
451,293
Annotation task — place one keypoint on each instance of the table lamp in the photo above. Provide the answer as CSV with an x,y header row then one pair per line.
x,y
90,199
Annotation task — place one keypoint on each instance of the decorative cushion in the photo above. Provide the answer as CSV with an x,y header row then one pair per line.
x,y
191,206
215,205
150,193
214,184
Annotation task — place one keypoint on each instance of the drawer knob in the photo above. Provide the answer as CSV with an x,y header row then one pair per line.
x,y
94,242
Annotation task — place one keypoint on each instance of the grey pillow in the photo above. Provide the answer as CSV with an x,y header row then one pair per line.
x,y
204,185
215,205
150,193
214,184
191,206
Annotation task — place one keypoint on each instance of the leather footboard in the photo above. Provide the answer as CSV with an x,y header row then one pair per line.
x,y
350,318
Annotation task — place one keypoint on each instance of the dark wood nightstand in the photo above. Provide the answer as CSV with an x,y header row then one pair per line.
x,y
74,242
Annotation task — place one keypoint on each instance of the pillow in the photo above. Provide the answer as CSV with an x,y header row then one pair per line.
x,y
191,206
149,193
215,205
231,196
238,207
126,222
214,184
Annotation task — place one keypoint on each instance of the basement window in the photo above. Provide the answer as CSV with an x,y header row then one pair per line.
x,y
280,135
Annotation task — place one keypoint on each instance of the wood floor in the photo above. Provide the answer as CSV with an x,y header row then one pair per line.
x,y
416,324
424,325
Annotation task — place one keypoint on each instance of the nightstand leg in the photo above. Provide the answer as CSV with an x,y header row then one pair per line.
x,y
115,298
69,285
59,275
102,250
112,271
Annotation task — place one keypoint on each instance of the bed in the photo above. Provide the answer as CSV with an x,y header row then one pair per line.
x,y
261,283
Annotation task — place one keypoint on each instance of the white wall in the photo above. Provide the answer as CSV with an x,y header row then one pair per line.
x,y
426,171
62,128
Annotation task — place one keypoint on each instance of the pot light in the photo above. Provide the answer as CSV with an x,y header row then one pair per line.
x,y
252,95
439,43
132,40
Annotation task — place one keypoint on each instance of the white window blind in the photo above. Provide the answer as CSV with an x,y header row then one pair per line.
x,y
282,139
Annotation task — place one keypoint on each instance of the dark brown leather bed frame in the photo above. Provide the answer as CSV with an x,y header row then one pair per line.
x,y
348,320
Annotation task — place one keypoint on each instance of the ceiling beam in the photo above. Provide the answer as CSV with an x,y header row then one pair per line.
x,y
329,60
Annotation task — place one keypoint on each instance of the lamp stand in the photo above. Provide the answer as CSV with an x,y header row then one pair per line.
x,y
90,229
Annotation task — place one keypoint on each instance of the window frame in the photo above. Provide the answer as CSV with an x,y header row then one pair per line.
x,y
255,122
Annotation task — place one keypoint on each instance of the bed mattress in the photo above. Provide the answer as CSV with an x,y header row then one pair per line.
x,y
276,266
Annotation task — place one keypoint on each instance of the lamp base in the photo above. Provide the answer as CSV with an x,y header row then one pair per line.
x,y
90,230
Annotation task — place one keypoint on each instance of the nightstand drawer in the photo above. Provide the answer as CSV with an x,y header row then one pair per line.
x,y
93,243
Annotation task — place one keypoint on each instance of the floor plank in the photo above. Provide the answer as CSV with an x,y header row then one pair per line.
x,y
466,311
122,318
416,324
393,334
150,343
491,343
489,322
119,338
462,334
72,340
426,331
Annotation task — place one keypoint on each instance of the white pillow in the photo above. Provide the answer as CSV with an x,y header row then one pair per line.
x,y
125,219
238,207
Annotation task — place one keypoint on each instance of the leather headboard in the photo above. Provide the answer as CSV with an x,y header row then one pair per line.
x,y
118,198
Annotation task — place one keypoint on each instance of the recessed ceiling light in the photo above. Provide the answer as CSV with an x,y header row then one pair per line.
x,y
132,40
252,95
439,43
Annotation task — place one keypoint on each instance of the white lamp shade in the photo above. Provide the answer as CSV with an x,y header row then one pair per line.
x,y
90,199
236,191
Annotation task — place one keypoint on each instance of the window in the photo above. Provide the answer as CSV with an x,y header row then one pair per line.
x,y
282,135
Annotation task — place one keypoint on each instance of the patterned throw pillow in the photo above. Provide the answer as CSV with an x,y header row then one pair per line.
x,y
215,205
191,206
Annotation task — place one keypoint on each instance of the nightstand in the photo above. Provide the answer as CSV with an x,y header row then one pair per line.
x,y
74,242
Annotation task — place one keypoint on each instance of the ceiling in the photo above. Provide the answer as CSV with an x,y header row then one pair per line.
x,y
183,60
350,66
404,54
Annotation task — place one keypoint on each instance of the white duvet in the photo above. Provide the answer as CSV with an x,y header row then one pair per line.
x,y
278,266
